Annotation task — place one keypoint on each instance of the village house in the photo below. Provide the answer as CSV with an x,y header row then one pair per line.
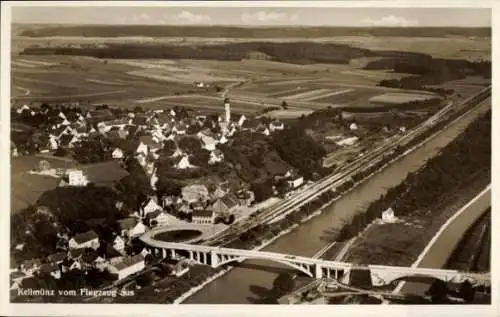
x,y
127,266
276,125
29,267
208,139
226,205
216,156
168,200
113,255
51,269
241,120
203,217
88,239
198,206
181,268
131,227
142,148
183,163
117,153
76,178
16,279
157,218
151,144
57,258
180,128
149,205
100,263
75,254
195,192
119,244
295,182
245,197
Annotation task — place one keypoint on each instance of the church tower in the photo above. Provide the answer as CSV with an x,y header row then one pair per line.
x,y
227,107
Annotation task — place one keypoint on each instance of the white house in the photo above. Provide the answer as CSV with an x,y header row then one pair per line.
x,y
76,178
388,216
131,227
153,180
184,163
88,239
353,126
241,120
119,244
127,266
178,152
216,156
223,140
276,125
149,205
296,182
157,218
204,217
141,159
117,153
23,108
53,143
142,149
100,263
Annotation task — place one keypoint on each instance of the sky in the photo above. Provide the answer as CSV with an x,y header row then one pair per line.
x,y
255,16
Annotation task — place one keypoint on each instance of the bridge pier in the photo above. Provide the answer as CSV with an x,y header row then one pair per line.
x,y
213,259
190,255
318,271
172,254
164,253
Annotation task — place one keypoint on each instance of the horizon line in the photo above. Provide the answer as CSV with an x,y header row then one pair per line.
x,y
258,26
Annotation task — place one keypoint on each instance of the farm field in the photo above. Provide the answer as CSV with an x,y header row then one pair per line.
x,y
27,188
252,85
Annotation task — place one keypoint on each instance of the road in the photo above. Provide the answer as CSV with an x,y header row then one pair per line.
x,y
236,287
441,247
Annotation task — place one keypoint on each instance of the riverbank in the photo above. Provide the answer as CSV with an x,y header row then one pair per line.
x,y
332,219
195,289
401,243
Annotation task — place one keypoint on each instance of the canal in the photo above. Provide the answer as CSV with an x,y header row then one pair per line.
x,y
250,280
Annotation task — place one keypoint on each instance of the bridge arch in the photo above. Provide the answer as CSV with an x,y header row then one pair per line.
x,y
287,263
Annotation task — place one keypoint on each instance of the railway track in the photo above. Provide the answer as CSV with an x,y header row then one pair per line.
x,y
338,178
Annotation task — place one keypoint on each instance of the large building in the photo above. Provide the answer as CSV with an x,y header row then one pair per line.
x,y
88,239
127,266
226,205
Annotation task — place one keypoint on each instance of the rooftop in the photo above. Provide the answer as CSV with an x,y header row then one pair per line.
x,y
127,262
86,236
127,223
203,213
230,200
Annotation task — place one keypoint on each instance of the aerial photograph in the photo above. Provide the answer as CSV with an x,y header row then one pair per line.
x,y
250,155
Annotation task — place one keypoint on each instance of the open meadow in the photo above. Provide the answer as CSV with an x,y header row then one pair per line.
x,y
27,188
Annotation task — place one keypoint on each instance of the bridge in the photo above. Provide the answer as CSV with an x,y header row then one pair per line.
x,y
313,267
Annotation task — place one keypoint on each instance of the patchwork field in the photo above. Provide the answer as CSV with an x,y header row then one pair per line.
x,y
251,84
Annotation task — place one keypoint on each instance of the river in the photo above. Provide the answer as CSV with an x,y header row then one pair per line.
x,y
247,282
